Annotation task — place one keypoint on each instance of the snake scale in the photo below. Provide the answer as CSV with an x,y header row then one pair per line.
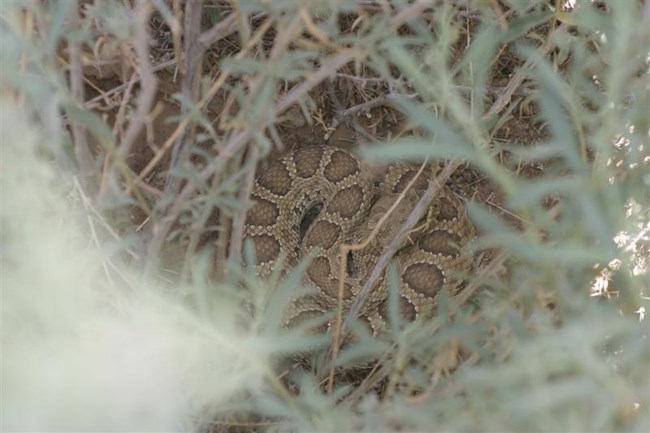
x,y
317,197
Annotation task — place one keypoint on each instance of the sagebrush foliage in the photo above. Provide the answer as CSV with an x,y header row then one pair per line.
x,y
130,139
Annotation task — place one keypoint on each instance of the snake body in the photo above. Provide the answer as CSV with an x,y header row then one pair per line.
x,y
317,197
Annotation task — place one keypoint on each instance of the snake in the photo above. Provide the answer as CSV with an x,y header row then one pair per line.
x,y
308,203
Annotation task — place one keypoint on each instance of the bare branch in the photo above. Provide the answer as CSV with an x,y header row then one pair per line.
x,y
504,99
149,84
81,150
191,70
218,31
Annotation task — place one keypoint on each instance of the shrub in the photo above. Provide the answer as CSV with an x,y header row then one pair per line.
x,y
131,135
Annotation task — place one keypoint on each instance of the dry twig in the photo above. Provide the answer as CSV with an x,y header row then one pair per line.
x,y
376,273
82,152
504,99
149,83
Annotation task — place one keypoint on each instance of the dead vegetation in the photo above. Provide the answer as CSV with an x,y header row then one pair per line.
x,y
172,106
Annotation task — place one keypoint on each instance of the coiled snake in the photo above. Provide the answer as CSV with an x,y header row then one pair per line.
x,y
318,197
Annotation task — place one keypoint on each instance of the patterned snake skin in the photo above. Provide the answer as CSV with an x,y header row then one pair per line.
x,y
317,197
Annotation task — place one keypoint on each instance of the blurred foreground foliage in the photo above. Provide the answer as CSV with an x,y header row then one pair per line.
x,y
109,286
